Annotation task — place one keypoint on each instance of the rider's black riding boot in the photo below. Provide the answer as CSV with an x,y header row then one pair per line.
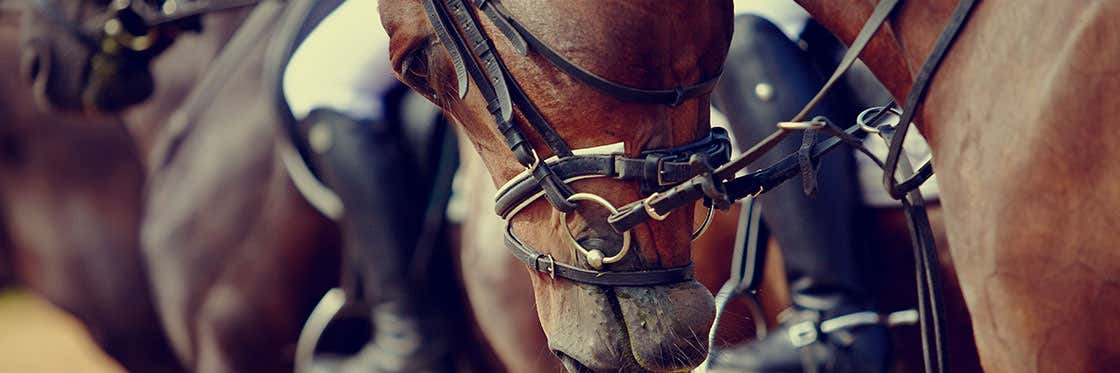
x,y
368,165
767,79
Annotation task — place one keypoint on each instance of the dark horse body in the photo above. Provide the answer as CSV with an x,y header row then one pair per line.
x,y
236,257
69,211
230,285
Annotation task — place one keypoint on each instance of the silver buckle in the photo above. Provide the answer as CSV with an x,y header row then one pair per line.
x,y
536,160
551,264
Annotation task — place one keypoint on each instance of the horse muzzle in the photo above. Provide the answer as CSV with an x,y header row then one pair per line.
x,y
78,79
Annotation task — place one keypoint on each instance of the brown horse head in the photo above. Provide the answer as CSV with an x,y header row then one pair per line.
x,y
93,55
646,44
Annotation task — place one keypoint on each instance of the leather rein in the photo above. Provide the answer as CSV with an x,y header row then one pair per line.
x,y
889,123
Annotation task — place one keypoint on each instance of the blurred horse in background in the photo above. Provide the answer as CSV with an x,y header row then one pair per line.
x,y
70,206
237,257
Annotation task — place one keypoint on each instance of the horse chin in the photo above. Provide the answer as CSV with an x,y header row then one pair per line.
x,y
631,329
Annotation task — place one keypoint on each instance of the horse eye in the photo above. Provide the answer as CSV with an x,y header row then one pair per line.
x,y
415,71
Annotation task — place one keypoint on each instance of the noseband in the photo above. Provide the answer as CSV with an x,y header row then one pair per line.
x,y
474,57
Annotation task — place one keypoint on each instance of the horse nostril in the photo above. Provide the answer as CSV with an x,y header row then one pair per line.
x,y
570,364
32,66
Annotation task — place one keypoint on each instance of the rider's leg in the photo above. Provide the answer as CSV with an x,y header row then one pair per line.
x,y
368,165
766,80
349,131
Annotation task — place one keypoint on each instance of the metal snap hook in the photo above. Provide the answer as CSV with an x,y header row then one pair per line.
x,y
596,258
711,212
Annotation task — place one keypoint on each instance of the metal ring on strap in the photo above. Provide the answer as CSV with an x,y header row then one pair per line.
x,y
595,257
707,222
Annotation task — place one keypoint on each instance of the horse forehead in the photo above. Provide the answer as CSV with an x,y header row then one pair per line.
x,y
406,24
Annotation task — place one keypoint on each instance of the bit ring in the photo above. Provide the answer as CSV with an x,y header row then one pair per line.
x,y
595,257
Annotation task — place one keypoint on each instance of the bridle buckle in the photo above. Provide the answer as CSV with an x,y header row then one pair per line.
x,y
536,160
661,173
551,264
651,211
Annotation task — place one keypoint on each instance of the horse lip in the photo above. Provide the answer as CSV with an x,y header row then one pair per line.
x,y
37,57
663,319
647,334
570,363
31,64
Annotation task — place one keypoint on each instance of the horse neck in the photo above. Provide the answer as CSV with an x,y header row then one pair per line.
x,y
177,72
899,48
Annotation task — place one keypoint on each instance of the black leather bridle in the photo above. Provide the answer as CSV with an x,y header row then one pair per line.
x,y
474,57
461,35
